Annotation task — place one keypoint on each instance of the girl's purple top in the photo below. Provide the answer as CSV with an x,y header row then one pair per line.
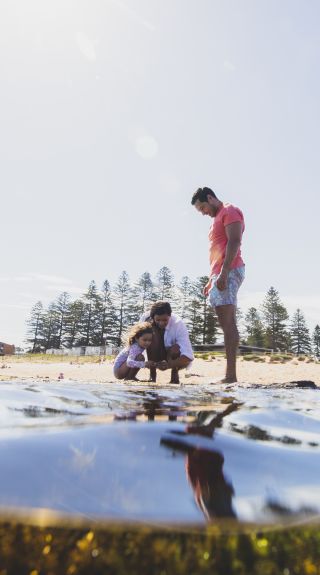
x,y
128,355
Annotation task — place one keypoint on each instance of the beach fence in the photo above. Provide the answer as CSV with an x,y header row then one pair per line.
x,y
83,350
243,349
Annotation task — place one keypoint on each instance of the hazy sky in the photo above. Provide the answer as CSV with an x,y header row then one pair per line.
x,y
114,111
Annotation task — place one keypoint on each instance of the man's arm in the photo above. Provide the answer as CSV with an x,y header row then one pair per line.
x,y
233,233
181,362
185,347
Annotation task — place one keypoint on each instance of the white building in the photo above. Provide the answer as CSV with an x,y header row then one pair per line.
x,y
83,350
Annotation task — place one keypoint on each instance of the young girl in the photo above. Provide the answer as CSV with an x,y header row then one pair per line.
x,y
130,359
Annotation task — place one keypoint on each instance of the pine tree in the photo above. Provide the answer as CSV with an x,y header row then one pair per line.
x,y
121,298
73,322
274,317
61,308
316,341
200,316
50,327
254,328
89,327
164,285
194,321
106,315
184,296
240,325
211,328
35,328
300,342
143,294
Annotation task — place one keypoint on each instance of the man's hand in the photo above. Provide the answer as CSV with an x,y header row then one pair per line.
x,y
207,288
221,281
162,365
150,364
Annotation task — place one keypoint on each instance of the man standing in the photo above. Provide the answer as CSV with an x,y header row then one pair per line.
x,y
170,347
226,267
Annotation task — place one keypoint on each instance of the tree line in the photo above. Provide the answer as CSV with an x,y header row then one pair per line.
x,y
101,316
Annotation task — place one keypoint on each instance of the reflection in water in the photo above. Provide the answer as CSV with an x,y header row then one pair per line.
x,y
98,450
212,492
82,460
281,510
255,432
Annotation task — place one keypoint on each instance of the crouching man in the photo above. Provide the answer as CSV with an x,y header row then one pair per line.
x,y
171,347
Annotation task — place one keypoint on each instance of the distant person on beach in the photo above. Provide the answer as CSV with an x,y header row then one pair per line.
x,y
227,268
170,347
131,358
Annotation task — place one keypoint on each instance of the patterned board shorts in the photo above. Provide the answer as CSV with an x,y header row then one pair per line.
x,y
229,295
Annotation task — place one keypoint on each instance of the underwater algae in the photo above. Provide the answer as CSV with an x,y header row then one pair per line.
x,y
32,548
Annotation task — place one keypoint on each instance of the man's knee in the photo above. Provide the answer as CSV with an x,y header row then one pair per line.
x,y
173,352
226,315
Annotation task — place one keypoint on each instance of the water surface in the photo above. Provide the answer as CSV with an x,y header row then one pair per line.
x,y
162,455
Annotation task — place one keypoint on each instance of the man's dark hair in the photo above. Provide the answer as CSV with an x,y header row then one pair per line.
x,y
160,308
201,194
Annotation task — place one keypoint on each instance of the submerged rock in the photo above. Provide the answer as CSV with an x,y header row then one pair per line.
x,y
304,383
299,384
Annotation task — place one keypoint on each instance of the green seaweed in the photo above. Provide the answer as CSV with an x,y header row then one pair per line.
x,y
122,549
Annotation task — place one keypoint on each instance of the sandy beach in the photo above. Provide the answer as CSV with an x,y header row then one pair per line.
x,y
263,372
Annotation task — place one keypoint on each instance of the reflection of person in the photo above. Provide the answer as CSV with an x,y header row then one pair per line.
x,y
226,267
131,358
212,492
170,347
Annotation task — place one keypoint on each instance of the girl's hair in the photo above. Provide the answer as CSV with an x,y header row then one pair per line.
x,y
137,331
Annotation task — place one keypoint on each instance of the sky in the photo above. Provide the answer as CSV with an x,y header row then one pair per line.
x,y
113,112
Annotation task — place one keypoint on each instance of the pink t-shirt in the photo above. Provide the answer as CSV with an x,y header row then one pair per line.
x,y
228,214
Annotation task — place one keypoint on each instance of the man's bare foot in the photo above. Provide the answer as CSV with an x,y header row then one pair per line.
x,y
131,379
229,379
226,380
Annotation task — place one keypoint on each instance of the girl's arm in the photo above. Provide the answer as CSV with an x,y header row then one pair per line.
x,y
135,352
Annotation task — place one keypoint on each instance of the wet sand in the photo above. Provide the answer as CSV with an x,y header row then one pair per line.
x,y
264,372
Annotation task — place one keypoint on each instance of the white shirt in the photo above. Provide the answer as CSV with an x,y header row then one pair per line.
x,y
175,332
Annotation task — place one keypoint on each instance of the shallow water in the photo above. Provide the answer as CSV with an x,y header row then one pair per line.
x,y
132,452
